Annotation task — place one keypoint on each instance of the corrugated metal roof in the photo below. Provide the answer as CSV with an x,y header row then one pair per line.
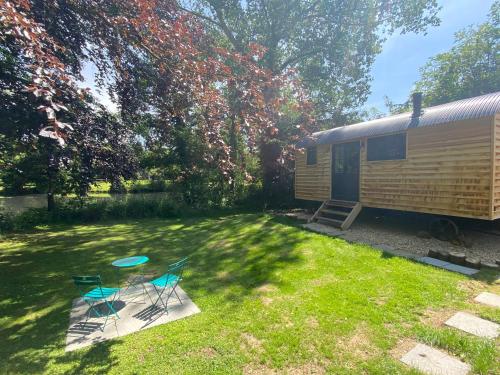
x,y
466,109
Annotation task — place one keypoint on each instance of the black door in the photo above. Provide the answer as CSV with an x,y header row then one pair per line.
x,y
345,172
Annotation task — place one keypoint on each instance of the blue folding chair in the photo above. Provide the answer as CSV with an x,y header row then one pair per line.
x,y
166,284
95,295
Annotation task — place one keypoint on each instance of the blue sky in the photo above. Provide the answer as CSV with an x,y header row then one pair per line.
x,y
397,68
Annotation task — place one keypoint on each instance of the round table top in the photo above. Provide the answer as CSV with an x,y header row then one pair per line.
x,y
131,261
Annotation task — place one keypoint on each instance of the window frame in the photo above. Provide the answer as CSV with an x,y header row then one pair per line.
x,y
404,148
308,155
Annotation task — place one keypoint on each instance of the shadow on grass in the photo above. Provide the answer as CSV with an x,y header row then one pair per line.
x,y
488,276
236,253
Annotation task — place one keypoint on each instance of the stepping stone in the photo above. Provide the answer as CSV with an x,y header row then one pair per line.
x,y
433,261
460,269
474,325
488,299
434,362
448,266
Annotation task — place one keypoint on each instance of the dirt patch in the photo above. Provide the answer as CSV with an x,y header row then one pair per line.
x,y
250,342
472,287
287,322
312,322
380,300
436,318
402,347
208,352
254,369
266,301
325,280
306,369
359,344
266,288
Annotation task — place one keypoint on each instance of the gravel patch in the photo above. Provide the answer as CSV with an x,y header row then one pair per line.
x,y
485,247
400,232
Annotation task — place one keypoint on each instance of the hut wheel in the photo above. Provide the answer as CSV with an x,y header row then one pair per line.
x,y
444,229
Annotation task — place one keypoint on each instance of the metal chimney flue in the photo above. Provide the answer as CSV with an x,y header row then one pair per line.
x,y
416,98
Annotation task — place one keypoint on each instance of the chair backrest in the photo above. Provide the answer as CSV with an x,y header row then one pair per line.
x,y
87,280
84,282
177,268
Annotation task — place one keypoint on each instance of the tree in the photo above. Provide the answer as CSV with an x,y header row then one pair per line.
x,y
330,43
36,82
470,68
330,46
162,62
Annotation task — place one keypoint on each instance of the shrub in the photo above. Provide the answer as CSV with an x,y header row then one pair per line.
x,y
147,186
6,221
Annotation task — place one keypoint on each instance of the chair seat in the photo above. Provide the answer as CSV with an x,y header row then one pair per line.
x,y
100,293
165,280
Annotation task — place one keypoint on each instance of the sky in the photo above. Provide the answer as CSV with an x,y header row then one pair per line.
x,y
397,67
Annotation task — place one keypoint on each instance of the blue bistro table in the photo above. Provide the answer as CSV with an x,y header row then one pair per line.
x,y
129,263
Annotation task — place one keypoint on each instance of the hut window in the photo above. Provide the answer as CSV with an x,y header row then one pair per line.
x,y
312,155
391,147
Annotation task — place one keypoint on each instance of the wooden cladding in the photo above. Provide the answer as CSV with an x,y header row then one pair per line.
x,y
447,172
312,182
451,169
496,167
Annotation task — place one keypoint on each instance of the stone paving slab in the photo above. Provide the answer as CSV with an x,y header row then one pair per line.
x,y
448,266
434,362
136,313
487,298
324,229
474,325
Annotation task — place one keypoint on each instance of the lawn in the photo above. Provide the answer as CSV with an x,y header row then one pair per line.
x,y
273,297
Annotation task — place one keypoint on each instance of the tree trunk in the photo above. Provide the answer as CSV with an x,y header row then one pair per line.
x,y
51,171
269,154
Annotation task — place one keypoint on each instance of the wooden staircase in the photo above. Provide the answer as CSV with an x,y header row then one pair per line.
x,y
339,214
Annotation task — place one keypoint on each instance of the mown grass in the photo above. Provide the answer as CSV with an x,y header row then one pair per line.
x,y
273,297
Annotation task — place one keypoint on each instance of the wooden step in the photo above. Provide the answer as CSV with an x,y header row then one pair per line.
x,y
332,222
334,212
346,213
352,216
346,204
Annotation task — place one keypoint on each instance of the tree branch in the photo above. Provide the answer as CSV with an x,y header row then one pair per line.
x,y
294,59
227,31
202,16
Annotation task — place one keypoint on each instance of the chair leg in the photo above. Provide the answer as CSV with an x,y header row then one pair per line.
x,y
150,299
92,308
159,296
179,298
110,306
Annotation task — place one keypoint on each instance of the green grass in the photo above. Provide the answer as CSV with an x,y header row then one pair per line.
x,y
272,296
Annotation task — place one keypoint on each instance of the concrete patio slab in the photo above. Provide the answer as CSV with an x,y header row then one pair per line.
x,y
434,362
135,313
474,325
487,298
448,266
